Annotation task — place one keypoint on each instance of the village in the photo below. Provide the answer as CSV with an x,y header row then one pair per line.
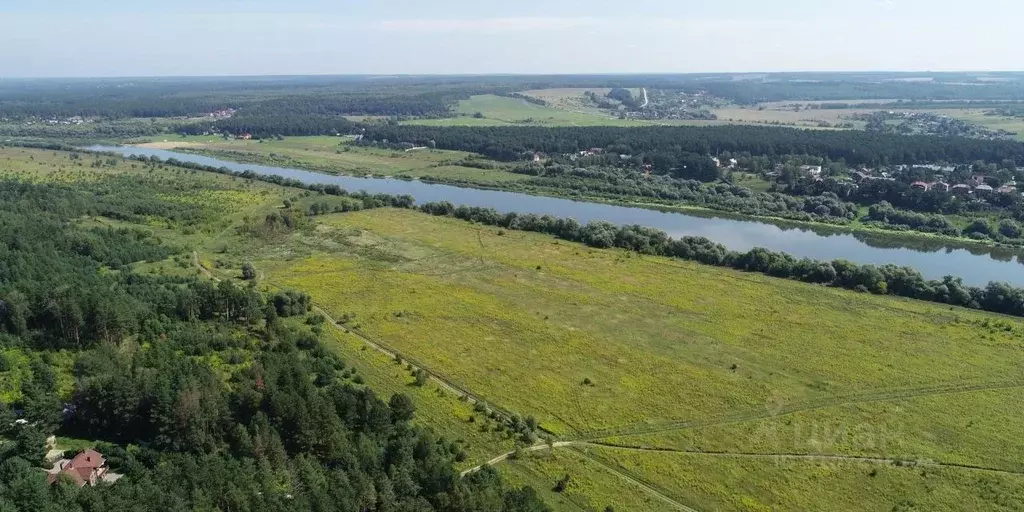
x,y
941,179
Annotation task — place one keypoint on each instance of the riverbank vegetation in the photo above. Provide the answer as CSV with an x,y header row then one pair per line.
x,y
996,297
595,179
335,155
511,143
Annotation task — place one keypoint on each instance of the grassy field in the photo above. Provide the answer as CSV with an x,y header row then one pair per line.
x,y
500,110
480,311
711,482
781,113
751,181
592,485
679,356
976,429
977,116
719,389
328,154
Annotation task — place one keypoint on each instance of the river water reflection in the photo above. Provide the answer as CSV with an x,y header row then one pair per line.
x,y
976,265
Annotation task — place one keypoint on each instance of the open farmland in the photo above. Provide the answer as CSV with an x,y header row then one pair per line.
x,y
589,314
668,385
668,359
778,113
992,122
571,99
491,110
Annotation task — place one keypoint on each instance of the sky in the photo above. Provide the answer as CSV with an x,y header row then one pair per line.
x,y
76,38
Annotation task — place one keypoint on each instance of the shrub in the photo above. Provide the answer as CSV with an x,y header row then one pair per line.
x,y
248,272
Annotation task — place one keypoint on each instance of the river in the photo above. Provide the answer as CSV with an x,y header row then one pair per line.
x,y
933,258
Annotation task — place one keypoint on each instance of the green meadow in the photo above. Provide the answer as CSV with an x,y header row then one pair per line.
x,y
677,386
491,110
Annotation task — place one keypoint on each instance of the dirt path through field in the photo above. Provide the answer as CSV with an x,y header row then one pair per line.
x,y
773,411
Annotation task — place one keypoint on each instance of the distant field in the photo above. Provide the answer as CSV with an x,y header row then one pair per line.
x,y
569,99
781,113
751,181
773,113
977,116
790,117
500,110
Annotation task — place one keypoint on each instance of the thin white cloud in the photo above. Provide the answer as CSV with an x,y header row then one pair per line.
x,y
489,25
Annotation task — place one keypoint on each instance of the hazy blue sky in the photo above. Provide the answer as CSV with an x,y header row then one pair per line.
x,y
231,37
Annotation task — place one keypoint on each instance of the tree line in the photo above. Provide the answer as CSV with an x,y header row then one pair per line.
x,y
511,143
887,279
266,98
630,184
882,280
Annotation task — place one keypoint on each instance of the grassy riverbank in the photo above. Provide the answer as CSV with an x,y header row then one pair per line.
x,y
328,155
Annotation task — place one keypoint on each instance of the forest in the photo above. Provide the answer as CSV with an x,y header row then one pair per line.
x,y
423,95
204,396
256,96
625,184
840,87
672,143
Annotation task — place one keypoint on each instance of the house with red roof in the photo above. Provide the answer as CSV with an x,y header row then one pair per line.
x,y
89,467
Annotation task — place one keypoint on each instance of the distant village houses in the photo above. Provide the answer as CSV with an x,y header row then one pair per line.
x,y
728,164
813,170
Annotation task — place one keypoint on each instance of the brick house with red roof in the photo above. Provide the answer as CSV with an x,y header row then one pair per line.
x,y
88,467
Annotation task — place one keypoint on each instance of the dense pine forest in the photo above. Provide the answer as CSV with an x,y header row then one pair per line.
x,y
204,396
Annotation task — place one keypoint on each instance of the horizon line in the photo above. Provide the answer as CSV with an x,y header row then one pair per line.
x,y
513,74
